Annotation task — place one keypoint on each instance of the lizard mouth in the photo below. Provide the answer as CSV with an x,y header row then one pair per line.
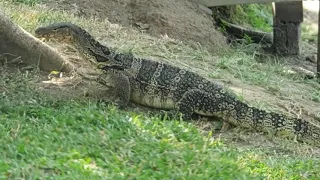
x,y
62,34
104,66
54,35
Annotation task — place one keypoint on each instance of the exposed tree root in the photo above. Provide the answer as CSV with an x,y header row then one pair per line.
x,y
15,41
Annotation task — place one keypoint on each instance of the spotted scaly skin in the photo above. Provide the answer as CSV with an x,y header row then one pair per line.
x,y
160,85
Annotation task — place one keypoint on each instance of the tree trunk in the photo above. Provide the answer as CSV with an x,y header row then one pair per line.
x,y
16,41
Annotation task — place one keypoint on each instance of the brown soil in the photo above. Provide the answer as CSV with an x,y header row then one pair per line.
x,y
179,19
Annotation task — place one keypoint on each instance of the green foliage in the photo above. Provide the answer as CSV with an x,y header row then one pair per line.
x,y
248,39
258,16
316,95
222,28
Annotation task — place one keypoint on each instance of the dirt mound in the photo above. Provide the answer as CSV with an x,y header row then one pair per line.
x,y
179,19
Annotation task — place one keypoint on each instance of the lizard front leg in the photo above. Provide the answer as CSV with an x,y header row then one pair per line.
x,y
119,86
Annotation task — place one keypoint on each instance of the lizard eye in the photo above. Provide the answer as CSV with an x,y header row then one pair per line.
x,y
101,66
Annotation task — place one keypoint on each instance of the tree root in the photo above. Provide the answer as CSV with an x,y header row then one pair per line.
x,y
14,40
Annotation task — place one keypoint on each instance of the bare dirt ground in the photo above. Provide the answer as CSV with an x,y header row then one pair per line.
x,y
179,19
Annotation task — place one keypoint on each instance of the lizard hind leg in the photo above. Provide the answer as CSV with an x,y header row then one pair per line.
x,y
196,101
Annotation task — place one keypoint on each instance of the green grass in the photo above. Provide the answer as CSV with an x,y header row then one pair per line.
x,y
44,137
258,16
47,137
27,2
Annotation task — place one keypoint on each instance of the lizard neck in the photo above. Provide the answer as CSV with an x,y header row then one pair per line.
x,y
87,44
102,54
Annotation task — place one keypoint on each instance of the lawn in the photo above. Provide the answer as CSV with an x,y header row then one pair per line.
x,y
48,137
44,137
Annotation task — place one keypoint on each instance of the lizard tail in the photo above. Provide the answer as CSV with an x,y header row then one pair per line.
x,y
240,114
223,104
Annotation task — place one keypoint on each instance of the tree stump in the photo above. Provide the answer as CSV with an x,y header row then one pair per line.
x,y
287,30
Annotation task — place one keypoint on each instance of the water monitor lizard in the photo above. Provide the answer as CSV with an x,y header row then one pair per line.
x,y
160,85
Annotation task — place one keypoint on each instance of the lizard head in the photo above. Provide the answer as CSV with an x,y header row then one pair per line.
x,y
71,33
59,31
98,54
